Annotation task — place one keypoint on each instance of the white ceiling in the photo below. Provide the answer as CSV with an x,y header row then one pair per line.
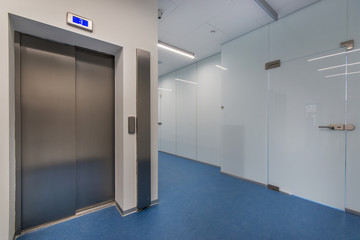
x,y
187,24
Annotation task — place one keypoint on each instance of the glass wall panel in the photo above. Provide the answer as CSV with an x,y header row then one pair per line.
x,y
353,137
244,96
159,119
304,159
208,110
354,21
315,29
167,94
186,112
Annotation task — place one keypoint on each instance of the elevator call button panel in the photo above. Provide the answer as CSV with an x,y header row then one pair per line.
x,y
78,21
131,125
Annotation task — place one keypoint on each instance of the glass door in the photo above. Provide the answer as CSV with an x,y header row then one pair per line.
x,y
159,119
353,137
166,115
307,105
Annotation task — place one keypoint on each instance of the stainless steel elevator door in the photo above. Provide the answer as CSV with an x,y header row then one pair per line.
x,y
94,128
47,131
65,120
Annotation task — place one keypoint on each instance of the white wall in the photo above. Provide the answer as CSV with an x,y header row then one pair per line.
x,y
190,118
129,24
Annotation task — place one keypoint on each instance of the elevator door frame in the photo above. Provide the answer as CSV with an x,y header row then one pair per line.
x,y
18,140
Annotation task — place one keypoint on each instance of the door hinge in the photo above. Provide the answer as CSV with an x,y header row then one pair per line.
x,y
348,44
274,188
272,64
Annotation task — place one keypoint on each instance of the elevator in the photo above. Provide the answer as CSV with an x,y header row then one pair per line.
x,y
65,132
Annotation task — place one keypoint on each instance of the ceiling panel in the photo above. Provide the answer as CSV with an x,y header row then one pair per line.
x,y
191,14
167,6
239,18
187,25
178,2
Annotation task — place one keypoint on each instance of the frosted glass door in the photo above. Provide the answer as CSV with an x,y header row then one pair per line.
x,y
167,134
306,160
353,137
159,120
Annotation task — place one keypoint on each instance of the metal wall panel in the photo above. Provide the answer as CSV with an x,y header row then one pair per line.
x,y
143,129
47,131
95,131
17,134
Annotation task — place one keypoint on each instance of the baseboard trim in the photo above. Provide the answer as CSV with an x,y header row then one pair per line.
x,y
126,212
244,179
154,202
132,210
352,212
212,165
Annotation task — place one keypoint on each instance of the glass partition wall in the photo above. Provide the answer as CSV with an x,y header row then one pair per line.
x,y
292,126
289,126
189,111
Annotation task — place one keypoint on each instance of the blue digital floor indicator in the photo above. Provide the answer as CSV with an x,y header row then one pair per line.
x,y
80,21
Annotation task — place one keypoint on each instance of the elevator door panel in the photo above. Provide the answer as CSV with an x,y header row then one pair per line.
x,y
48,131
94,128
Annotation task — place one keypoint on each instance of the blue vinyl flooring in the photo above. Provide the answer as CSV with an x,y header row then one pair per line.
x,y
198,202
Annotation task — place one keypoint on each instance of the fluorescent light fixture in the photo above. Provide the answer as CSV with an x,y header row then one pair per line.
x,y
267,8
221,67
186,81
165,89
332,55
176,50
338,66
341,74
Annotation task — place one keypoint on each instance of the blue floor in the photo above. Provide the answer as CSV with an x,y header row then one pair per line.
x,y
197,202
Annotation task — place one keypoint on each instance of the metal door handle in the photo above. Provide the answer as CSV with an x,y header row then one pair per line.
x,y
159,123
340,127
329,127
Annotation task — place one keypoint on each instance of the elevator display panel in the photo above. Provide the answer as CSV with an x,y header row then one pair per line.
x,y
79,21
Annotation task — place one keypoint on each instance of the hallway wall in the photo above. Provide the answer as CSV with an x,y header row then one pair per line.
x,y
190,111
128,24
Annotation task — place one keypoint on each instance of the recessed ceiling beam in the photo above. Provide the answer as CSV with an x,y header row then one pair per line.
x,y
264,4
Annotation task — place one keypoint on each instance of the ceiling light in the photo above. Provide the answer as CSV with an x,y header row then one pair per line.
x,y
176,50
186,81
342,65
221,67
341,74
165,89
332,55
